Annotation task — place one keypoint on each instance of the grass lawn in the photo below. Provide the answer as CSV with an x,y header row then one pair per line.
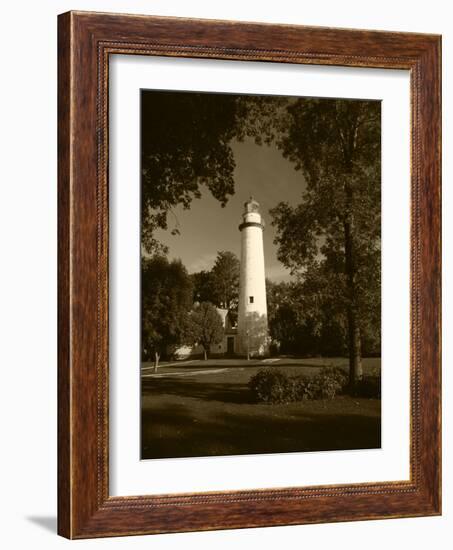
x,y
204,408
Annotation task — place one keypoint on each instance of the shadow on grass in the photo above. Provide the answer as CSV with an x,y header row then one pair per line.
x,y
216,415
173,431
207,391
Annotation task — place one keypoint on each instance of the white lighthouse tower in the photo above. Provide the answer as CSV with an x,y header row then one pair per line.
x,y
253,337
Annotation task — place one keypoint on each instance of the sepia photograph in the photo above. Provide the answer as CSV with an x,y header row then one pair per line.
x,y
260,274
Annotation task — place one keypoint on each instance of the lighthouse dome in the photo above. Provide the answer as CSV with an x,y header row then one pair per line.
x,y
251,206
251,215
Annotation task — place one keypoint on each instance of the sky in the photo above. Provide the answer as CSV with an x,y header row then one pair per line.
x,y
205,229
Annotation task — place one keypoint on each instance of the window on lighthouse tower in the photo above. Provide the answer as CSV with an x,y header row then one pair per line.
x,y
251,299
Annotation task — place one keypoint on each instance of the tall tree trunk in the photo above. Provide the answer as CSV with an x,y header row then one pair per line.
x,y
355,347
156,360
205,354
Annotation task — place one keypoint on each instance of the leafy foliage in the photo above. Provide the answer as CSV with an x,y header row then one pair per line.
x,y
274,386
256,335
166,300
203,287
300,323
204,326
332,238
220,285
185,145
225,280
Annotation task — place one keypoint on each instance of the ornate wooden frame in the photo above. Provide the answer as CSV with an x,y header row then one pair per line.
x,y
85,41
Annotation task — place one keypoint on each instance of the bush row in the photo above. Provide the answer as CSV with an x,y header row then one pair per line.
x,y
274,386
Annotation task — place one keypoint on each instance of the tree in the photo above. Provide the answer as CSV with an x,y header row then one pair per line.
x,y
204,326
225,280
256,337
333,235
219,286
166,301
282,316
203,287
295,318
185,145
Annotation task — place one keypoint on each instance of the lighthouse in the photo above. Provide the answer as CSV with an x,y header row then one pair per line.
x,y
253,336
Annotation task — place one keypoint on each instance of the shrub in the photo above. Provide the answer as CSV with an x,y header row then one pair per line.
x,y
334,376
303,388
326,386
274,386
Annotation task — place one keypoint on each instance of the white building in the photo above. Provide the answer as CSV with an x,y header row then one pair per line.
x,y
253,335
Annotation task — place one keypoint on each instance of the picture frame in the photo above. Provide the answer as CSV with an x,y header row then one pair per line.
x,y
85,42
